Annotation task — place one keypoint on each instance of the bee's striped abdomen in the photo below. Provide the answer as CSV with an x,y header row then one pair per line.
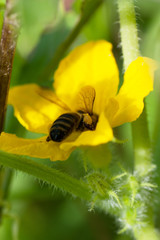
x,y
63,126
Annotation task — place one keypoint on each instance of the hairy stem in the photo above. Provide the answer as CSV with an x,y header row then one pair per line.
x,y
130,49
52,176
128,30
141,141
7,48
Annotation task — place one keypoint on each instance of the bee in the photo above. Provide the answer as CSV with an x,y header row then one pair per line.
x,y
83,119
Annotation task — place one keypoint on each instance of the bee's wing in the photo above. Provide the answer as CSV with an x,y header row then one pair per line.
x,y
50,96
85,99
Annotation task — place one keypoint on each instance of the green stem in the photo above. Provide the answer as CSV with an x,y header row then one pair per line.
x,y
142,146
128,30
130,48
141,140
52,176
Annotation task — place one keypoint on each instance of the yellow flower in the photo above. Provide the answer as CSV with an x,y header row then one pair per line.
x,y
91,64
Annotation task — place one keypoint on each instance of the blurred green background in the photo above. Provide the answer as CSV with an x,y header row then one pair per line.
x,y
34,210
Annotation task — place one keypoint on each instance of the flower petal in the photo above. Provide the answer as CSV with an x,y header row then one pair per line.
x,y
32,107
38,148
90,64
101,135
138,82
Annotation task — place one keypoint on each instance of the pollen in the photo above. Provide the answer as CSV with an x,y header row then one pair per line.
x,y
87,119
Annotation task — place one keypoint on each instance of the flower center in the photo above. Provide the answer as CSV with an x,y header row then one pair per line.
x,y
81,120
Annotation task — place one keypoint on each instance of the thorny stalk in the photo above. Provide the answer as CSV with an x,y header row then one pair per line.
x,y
7,49
142,149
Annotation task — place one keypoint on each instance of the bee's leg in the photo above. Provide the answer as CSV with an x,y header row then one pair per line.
x,y
48,139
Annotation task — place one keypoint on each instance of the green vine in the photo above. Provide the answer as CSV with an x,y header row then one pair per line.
x,y
143,167
52,176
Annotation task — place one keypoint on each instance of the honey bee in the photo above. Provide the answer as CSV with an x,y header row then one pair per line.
x,y
82,119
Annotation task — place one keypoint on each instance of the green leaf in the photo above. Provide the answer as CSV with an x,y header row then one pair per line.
x,y
42,62
35,17
88,10
37,61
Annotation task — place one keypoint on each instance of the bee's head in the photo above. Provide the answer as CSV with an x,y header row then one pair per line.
x,y
90,121
87,119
